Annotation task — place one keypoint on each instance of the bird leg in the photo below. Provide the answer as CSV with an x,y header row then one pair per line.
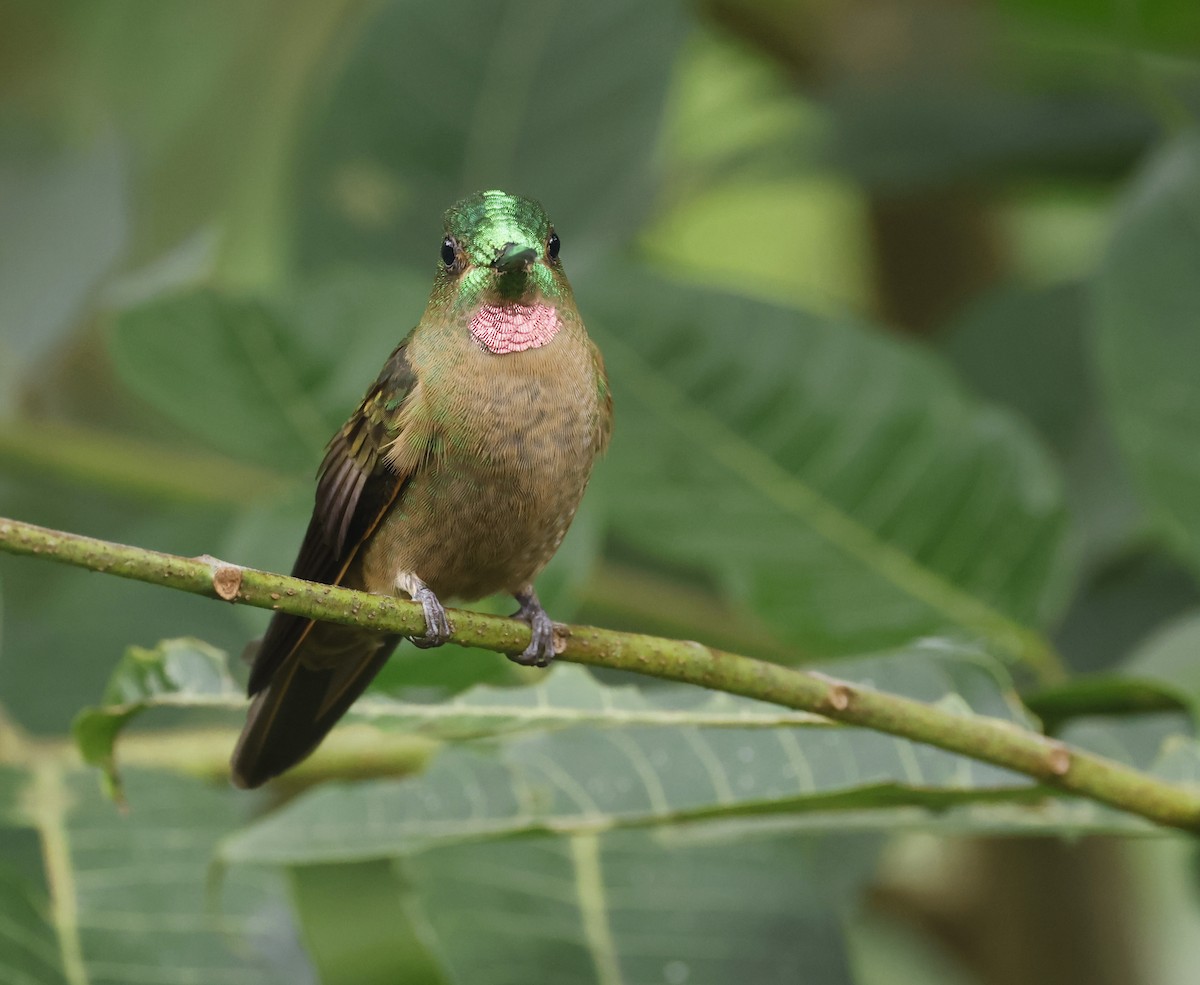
x,y
540,651
437,624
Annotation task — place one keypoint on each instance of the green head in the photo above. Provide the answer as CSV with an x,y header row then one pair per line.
x,y
499,248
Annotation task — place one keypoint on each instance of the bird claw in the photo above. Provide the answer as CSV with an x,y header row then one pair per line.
x,y
540,651
437,624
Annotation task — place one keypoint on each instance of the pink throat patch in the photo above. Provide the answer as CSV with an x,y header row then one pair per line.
x,y
514,327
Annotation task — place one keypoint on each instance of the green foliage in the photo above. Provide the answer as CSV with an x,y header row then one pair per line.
x,y
74,208
135,897
567,804
255,393
571,754
879,507
200,275
143,679
1146,302
536,109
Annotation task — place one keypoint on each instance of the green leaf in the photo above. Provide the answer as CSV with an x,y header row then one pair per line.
x,y
631,906
190,674
1161,675
14,784
165,676
364,926
28,943
1146,298
568,696
348,320
267,381
650,761
836,479
230,372
132,896
1102,694
187,673
1024,347
622,906
1027,349
521,96
71,208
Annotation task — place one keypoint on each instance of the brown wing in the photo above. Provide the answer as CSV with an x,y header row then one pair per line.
x,y
356,484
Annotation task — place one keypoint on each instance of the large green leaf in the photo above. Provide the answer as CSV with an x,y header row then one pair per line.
x,y
631,906
29,950
569,754
1146,299
836,479
647,763
229,371
587,780
1028,349
363,925
568,760
267,381
1104,694
65,225
190,674
553,99
164,676
131,897
1024,347
616,907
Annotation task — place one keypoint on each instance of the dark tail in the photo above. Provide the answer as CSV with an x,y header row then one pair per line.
x,y
304,696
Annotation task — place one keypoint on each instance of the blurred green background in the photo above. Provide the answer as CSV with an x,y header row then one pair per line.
x,y
900,300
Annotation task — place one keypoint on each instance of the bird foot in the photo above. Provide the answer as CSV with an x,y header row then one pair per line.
x,y
540,651
437,624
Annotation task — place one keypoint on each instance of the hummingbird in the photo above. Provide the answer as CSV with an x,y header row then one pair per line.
x,y
457,476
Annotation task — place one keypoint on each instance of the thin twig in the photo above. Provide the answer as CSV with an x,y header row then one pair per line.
x,y
1047,760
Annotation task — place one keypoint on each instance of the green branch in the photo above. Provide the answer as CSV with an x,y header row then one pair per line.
x,y
1047,760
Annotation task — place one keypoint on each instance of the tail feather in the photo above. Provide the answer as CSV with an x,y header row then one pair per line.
x,y
314,687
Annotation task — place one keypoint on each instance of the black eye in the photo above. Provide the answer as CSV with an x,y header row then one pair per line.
x,y
449,253
553,246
